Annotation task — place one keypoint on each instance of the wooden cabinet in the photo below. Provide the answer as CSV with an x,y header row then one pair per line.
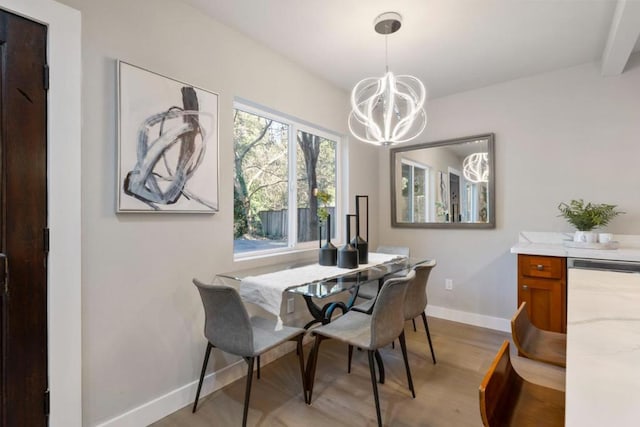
x,y
542,283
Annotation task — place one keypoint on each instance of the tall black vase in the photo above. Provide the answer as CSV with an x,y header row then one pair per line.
x,y
348,255
360,243
328,254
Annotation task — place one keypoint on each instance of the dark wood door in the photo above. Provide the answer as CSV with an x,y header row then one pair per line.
x,y
23,222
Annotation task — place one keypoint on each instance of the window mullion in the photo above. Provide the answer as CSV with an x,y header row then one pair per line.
x,y
293,187
427,191
412,193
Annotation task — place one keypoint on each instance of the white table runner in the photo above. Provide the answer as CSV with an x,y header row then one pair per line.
x,y
266,290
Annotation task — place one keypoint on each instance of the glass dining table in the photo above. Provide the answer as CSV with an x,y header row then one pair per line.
x,y
319,284
266,285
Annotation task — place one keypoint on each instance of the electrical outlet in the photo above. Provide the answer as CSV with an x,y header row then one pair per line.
x,y
448,284
290,305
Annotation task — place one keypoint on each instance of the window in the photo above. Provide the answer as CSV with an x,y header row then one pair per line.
x,y
475,202
415,184
283,171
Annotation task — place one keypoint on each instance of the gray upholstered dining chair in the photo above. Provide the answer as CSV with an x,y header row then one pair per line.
x,y
370,290
415,302
369,332
229,328
393,250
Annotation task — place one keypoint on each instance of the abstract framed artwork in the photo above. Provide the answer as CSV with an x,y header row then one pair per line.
x,y
167,144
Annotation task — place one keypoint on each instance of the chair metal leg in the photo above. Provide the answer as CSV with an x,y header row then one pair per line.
x,y
426,327
374,384
207,352
403,345
302,371
312,362
380,366
247,392
258,367
350,357
414,325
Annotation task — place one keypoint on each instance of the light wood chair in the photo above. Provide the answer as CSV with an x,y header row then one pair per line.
x,y
507,399
535,343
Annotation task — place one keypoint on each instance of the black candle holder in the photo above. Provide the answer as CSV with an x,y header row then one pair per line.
x,y
348,255
328,254
361,244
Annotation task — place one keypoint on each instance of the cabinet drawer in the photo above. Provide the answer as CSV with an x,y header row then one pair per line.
x,y
541,266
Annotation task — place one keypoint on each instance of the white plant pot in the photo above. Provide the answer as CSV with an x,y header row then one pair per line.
x,y
585,237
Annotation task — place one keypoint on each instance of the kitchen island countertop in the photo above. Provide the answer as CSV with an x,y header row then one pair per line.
x,y
553,244
603,349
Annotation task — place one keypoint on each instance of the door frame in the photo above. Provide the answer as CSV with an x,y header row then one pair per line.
x,y
64,116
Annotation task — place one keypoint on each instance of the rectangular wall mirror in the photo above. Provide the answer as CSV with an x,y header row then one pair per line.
x,y
444,184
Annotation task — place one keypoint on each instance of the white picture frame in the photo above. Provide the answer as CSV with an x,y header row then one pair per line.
x,y
167,144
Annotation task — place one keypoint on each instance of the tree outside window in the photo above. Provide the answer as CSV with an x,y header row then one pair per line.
x,y
275,205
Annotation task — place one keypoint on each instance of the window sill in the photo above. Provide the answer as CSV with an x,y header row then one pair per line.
x,y
279,256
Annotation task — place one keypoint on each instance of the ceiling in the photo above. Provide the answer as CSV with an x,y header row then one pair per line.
x,y
451,45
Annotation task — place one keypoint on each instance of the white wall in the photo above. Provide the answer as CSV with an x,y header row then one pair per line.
x,y
559,136
63,199
142,318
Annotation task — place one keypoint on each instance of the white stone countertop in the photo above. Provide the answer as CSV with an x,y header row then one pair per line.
x,y
553,244
603,349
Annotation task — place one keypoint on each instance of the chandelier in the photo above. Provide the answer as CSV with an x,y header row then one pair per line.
x,y
475,167
387,110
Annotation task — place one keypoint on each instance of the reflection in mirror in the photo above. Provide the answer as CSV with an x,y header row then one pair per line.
x,y
445,184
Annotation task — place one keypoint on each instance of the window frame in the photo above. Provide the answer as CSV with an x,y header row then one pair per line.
x,y
295,125
472,195
427,186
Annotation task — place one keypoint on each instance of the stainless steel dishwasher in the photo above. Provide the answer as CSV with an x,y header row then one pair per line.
x,y
604,264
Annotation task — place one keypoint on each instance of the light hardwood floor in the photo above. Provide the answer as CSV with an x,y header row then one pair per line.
x,y
446,393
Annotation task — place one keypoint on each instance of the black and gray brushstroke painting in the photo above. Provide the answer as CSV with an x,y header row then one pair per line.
x,y
170,147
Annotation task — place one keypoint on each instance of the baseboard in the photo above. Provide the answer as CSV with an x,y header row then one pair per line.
x,y
162,406
474,319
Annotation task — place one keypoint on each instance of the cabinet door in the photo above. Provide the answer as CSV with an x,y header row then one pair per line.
x,y
545,303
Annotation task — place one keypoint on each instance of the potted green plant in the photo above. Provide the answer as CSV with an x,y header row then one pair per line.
x,y
587,216
325,199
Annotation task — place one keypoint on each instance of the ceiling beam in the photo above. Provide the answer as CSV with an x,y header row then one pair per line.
x,y
624,33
